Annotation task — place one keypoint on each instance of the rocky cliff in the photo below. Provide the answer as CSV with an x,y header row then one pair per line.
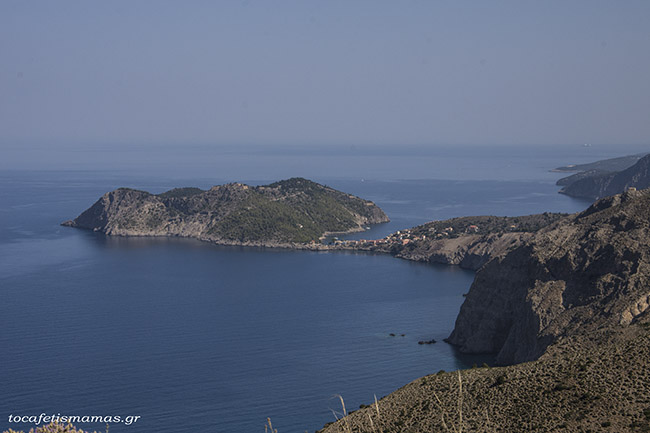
x,y
579,274
574,299
291,211
594,184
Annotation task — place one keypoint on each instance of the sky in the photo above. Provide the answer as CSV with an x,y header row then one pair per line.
x,y
323,73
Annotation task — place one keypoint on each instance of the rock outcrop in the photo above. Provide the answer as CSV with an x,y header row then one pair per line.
x,y
579,274
291,211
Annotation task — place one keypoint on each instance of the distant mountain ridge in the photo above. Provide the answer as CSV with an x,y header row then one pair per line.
x,y
604,165
291,211
596,183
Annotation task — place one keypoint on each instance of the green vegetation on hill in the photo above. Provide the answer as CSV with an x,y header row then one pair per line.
x,y
296,210
259,218
181,192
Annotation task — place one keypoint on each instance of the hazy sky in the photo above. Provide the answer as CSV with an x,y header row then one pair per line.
x,y
321,72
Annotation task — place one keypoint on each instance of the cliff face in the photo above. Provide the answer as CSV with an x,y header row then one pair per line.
x,y
596,184
292,211
589,270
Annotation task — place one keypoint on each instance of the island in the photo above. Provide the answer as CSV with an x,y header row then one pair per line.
x,y
287,213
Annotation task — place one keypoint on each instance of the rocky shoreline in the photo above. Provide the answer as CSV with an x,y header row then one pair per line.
x,y
468,252
568,311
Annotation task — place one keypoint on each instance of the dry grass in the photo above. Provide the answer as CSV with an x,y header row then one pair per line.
x,y
268,427
458,428
375,422
600,383
346,422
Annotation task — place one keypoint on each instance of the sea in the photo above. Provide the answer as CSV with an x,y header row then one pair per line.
x,y
189,336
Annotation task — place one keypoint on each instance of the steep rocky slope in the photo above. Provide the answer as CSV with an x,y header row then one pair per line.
x,y
595,184
581,273
291,211
574,301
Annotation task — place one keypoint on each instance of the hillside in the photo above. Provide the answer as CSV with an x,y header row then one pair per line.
x,y
597,384
291,211
596,183
570,306
579,274
468,242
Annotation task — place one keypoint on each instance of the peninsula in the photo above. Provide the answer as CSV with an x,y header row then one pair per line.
x,y
291,212
469,242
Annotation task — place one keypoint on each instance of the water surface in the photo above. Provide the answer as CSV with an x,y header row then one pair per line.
x,y
197,337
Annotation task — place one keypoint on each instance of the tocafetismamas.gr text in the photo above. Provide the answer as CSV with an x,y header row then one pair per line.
x,y
74,419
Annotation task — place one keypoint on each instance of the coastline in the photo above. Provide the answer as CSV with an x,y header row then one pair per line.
x,y
442,257
462,241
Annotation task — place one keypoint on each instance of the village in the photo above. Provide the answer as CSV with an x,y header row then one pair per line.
x,y
405,237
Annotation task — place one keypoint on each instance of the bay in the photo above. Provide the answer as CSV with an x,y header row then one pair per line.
x,y
196,337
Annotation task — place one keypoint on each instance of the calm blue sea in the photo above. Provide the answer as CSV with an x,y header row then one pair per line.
x,y
194,337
